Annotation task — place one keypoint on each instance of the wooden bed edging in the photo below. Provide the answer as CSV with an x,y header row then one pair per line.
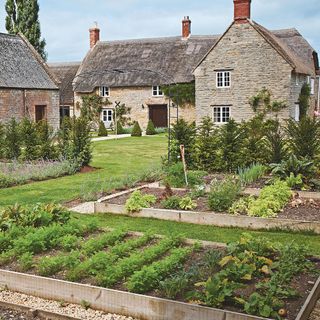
x,y
310,303
118,302
42,314
210,218
129,304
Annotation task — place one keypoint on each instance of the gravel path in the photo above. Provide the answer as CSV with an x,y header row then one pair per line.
x,y
316,312
57,307
6,314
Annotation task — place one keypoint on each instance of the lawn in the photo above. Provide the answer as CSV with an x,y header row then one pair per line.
x,y
201,232
116,158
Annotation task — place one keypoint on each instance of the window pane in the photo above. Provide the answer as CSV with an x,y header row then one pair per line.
x,y
217,114
227,79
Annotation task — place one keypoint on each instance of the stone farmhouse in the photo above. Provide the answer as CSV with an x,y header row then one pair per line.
x,y
132,71
248,57
27,87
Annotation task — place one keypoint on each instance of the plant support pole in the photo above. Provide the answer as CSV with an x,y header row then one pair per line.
x,y
184,163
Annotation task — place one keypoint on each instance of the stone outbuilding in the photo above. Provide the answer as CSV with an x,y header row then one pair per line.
x,y
132,72
248,58
27,87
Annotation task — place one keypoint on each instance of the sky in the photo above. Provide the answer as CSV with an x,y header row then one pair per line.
x,y
65,23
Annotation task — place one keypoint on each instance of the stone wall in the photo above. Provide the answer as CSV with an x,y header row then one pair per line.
x,y
254,64
138,99
21,103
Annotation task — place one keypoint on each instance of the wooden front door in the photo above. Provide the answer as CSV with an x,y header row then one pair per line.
x,y
40,113
159,115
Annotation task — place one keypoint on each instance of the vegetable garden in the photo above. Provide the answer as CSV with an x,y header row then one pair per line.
x,y
252,275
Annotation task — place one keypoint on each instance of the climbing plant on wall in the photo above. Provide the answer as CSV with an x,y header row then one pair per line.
x,y
181,94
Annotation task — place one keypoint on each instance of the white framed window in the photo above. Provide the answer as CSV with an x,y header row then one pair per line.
x,y
104,92
297,79
107,116
223,79
156,91
312,83
221,114
297,112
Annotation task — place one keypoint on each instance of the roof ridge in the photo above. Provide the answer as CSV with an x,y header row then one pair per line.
x,y
155,39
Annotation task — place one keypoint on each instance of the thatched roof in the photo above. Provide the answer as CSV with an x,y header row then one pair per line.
x,y
21,66
65,73
132,63
138,62
292,46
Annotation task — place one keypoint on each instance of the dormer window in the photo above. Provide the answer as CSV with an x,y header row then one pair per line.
x,y
223,79
156,91
104,92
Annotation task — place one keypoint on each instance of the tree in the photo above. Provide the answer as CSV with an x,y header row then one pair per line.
x,y
304,100
23,16
150,129
136,130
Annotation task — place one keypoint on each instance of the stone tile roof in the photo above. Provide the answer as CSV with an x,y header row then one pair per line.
x,y
173,57
21,66
65,73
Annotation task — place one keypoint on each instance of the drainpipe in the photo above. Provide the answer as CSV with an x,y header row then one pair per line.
x,y
318,102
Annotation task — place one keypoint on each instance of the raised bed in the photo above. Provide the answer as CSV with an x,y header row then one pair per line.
x,y
111,205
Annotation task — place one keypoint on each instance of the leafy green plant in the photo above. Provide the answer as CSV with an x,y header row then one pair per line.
x,y
136,131
293,165
271,200
150,131
26,261
173,286
294,182
138,201
69,242
251,174
223,194
186,203
240,206
171,203
148,277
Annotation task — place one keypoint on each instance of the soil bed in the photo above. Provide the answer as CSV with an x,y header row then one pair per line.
x,y
298,209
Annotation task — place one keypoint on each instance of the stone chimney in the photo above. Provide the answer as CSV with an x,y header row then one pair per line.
x,y
242,10
186,27
94,35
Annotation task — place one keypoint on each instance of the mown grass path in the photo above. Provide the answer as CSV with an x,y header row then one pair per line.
x,y
116,158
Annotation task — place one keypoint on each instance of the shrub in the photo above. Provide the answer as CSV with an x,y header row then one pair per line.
x,y
64,135
26,261
46,136
231,140
206,146
171,203
28,134
150,129
304,137
80,142
271,200
12,139
223,194
182,133
102,130
120,129
136,131
138,201
251,174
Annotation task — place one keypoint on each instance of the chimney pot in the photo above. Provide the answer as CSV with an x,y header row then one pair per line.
x,y
94,35
242,11
186,27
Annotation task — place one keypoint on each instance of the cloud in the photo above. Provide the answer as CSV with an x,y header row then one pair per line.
x,y
65,23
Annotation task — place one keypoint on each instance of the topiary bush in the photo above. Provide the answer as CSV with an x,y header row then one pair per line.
x,y
150,129
102,130
136,131
120,129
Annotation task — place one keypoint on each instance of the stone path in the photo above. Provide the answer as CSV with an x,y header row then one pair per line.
x,y
112,137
